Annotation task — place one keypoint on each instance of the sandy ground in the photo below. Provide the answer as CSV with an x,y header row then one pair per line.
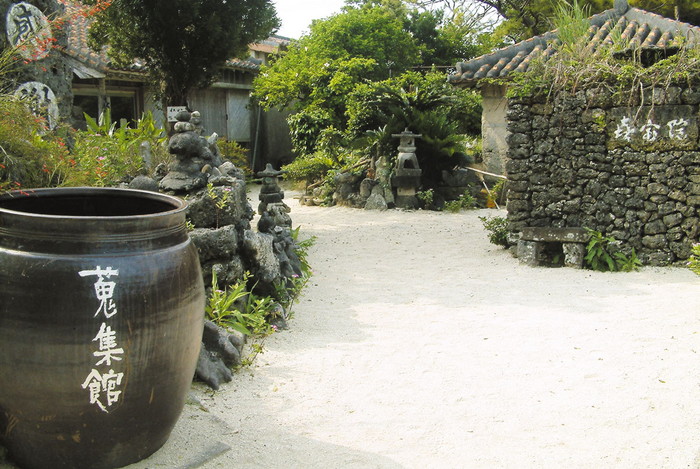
x,y
418,344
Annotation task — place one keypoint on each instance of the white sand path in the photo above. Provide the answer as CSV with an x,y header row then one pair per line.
x,y
419,344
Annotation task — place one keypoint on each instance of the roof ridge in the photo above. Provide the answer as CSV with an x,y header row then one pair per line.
x,y
647,28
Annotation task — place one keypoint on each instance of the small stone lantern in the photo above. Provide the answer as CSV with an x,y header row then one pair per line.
x,y
272,209
407,172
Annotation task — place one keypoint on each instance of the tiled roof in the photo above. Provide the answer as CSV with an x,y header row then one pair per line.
x,y
93,63
88,63
641,28
249,64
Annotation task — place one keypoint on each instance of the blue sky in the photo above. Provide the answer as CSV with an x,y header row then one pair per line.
x,y
296,15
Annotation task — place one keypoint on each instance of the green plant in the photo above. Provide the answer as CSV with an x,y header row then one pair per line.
x,y
571,22
224,308
599,256
498,230
426,197
235,153
288,292
29,156
107,154
221,196
694,260
465,201
627,263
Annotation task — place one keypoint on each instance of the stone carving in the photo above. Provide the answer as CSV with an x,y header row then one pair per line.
x,y
41,100
28,28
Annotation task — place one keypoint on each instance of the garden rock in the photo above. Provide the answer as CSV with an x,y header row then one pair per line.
x,y
262,262
219,353
144,183
203,211
215,243
376,202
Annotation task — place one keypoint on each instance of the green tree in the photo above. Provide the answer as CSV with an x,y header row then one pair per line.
x,y
183,43
319,71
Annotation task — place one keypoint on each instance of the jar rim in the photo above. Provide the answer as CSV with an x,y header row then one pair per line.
x,y
60,202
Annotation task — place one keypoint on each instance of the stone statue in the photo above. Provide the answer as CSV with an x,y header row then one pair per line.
x,y
194,157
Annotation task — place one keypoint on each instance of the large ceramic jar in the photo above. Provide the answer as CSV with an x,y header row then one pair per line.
x,y
101,317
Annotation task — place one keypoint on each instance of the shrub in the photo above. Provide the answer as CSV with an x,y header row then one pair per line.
x,y
236,154
465,201
106,154
498,230
694,260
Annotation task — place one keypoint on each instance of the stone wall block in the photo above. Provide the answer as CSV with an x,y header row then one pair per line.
x,y
673,219
690,96
518,205
678,195
658,241
691,227
655,227
657,189
517,139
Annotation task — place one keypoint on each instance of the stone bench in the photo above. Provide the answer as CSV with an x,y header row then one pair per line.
x,y
553,247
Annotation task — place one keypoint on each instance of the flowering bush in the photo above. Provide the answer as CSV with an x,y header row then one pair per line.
x,y
28,158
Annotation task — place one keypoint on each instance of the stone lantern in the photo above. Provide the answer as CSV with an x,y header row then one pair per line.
x,y
407,172
272,209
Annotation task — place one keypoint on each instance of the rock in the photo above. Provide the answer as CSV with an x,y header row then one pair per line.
x,y
376,202
266,223
366,187
216,243
228,271
186,144
229,169
146,156
263,262
217,356
180,182
220,206
144,183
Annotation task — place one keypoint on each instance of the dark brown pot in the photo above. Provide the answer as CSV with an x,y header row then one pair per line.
x,y
101,316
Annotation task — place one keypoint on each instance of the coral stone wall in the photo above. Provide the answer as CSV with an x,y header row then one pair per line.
x,y
631,171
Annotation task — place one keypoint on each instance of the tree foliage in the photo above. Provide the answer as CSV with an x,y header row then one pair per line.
x,y
360,44
527,18
425,104
183,42
350,83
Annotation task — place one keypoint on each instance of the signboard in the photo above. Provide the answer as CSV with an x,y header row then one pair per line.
x,y
672,127
172,112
